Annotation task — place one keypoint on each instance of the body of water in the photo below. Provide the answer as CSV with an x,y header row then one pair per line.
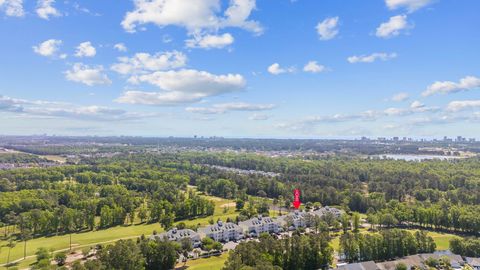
x,y
415,157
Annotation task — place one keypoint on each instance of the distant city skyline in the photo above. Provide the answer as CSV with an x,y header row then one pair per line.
x,y
241,68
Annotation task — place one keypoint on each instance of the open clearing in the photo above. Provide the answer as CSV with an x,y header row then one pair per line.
x,y
212,263
83,239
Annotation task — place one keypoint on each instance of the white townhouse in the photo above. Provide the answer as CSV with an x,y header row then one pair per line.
x,y
257,225
222,232
473,262
324,210
299,219
177,235
296,218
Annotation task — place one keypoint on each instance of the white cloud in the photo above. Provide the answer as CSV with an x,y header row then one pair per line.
x,y
393,27
275,69
182,86
210,41
120,47
371,58
328,28
456,106
259,117
12,8
227,107
417,105
314,67
85,49
45,9
446,87
194,15
48,48
410,5
145,62
400,97
40,108
90,76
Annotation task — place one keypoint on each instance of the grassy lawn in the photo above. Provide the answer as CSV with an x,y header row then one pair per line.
x,y
55,158
108,235
212,263
441,239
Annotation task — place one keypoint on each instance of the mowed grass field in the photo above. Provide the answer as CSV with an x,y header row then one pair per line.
x,y
84,239
212,263
441,239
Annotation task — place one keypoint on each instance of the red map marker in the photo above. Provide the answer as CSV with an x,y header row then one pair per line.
x,y
296,198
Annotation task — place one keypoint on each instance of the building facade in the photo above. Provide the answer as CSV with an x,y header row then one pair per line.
x,y
223,232
177,235
257,225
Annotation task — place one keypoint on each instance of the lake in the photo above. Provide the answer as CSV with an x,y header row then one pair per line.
x,y
415,157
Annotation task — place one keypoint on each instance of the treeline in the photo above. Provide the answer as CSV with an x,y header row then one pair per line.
x,y
385,245
72,198
19,158
440,216
115,205
311,251
143,254
469,247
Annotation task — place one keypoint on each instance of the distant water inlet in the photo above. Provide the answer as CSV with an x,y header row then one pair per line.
x,y
245,172
416,157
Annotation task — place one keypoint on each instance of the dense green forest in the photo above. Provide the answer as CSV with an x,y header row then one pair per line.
x,y
433,194
101,192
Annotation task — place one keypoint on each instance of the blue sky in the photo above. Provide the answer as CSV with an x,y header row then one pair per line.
x,y
240,68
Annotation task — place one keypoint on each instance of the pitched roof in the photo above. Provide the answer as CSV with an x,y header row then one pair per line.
x,y
370,265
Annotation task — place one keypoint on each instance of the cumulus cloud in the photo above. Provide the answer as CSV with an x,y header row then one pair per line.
x,y
12,8
99,113
45,9
276,69
410,5
328,28
40,108
85,49
120,47
415,107
10,104
446,87
210,41
48,48
145,62
400,97
194,15
85,74
232,106
182,86
259,117
393,27
314,67
455,106
371,58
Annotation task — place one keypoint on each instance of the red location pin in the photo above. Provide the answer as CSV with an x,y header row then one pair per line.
x,y
296,198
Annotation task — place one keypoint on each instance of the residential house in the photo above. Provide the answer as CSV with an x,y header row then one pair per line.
x,y
222,232
324,210
177,235
293,220
257,225
473,262
370,265
456,261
